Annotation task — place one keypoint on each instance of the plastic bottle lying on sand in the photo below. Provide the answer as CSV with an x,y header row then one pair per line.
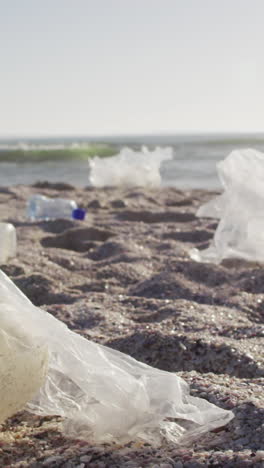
x,y
8,242
40,207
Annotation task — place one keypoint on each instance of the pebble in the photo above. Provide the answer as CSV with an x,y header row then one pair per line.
x,y
54,459
178,464
118,203
86,458
95,204
130,464
68,464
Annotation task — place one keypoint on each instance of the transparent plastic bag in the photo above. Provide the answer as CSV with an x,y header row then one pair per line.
x,y
8,242
102,394
240,232
23,357
213,208
129,168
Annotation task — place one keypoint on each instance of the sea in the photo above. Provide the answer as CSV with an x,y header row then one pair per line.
x,y
65,159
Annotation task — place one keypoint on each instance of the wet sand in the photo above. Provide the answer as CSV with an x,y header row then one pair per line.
x,y
123,278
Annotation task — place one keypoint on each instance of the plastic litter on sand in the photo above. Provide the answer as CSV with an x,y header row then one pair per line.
x,y
103,395
8,242
129,168
40,207
240,232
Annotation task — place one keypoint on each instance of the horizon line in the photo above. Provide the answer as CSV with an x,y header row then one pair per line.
x,y
128,135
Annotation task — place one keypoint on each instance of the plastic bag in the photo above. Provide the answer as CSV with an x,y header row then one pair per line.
x,y
240,232
129,168
8,242
102,394
213,208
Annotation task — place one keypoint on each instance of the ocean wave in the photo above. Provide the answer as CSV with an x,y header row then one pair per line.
x,y
30,152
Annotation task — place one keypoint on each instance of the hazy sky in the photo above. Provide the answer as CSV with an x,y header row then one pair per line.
x,y
131,66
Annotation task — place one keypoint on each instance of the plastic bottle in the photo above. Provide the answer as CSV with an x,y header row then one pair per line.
x,y
8,242
40,207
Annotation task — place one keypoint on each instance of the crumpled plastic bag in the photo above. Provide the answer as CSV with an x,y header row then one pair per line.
x,y
240,232
23,364
102,394
129,168
213,208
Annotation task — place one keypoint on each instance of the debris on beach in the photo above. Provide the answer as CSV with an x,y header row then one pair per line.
x,y
240,208
102,394
129,168
8,242
124,279
40,207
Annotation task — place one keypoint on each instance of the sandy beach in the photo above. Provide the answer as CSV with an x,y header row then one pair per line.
x,y
123,278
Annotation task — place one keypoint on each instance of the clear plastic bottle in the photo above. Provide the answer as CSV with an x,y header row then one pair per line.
x,y
8,241
40,207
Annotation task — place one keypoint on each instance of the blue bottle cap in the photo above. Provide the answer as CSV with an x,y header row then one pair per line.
x,y
78,213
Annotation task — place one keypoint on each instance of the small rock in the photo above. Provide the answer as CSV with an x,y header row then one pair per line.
x,y
130,464
94,204
51,461
178,464
118,204
86,458
100,465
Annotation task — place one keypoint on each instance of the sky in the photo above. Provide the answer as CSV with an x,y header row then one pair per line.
x,y
102,67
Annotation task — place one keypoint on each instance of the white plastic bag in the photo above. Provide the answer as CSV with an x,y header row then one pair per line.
x,y
8,242
102,394
129,168
213,208
240,232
